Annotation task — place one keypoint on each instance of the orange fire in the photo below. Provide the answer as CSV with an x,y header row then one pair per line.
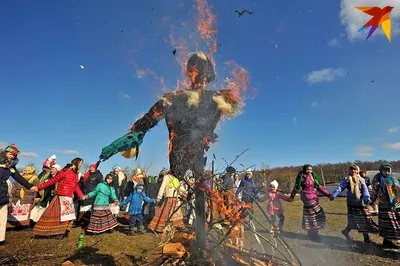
x,y
206,25
238,83
172,136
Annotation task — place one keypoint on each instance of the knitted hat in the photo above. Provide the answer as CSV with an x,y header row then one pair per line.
x,y
275,184
53,157
139,185
116,167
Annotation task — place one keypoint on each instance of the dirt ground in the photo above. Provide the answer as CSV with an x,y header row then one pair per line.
x,y
116,248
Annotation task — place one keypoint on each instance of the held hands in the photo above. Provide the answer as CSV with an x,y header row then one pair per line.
x,y
125,198
36,200
291,199
84,197
331,198
34,189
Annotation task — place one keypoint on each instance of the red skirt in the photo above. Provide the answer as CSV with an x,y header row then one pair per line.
x,y
165,214
101,220
50,223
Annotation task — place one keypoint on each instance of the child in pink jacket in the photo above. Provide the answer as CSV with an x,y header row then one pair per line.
x,y
274,206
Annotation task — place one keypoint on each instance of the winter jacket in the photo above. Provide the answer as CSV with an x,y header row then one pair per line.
x,y
5,174
227,182
151,189
67,181
170,187
135,201
90,184
274,204
103,193
48,193
362,186
29,196
248,189
119,184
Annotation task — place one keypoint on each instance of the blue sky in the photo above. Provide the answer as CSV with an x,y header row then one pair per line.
x,y
323,94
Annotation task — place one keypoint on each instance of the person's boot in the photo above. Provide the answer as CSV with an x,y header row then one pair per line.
x,y
389,244
314,236
346,233
131,231
367,239
141,229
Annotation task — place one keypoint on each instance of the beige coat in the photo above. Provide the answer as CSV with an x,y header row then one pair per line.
x,y
170,188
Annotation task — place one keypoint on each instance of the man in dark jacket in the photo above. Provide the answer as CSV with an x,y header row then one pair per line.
x,y
227,184
8,162
90,180
249,191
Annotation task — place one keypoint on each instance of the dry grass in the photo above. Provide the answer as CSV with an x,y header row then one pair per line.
x,y
119,249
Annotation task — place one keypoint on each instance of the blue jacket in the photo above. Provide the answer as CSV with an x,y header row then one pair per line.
x,y
248,187
345,184
135,200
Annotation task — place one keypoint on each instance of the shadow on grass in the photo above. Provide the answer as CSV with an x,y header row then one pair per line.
x,y
89,255
340,244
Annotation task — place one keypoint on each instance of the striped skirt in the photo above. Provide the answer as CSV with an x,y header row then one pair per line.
x,y
101,220
359,218
50,223
389,222
167,213
313,217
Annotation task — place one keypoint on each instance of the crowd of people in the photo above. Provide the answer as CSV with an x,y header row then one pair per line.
x,y
59,198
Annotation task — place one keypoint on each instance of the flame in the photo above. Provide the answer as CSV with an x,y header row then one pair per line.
x,y
142,73
205,139
172,135
157,113
238,83
206,25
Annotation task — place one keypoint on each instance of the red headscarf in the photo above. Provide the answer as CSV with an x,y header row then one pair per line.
x,y
86,176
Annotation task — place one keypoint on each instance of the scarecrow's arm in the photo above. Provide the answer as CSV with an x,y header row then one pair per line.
x,y
150,119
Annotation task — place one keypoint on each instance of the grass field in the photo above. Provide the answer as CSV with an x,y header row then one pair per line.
x,y
118,249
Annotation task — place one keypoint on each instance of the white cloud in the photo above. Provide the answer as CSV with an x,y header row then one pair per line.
x,y
314,105
334,43
353,19
126,96
393,146
364,151
66,152
324,75
28,154
393,129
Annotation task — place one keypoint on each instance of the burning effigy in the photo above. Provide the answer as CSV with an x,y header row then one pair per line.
x,y
192,113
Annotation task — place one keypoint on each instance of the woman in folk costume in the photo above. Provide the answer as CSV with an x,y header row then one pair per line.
x,y
313,214
58,217
102,219
23,200
119,181
358,215
8,162
386,188
168,212
275,207
135,179
46,195
90,180
49,162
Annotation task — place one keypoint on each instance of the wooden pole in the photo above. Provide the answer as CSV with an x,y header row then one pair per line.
x,y
323,178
